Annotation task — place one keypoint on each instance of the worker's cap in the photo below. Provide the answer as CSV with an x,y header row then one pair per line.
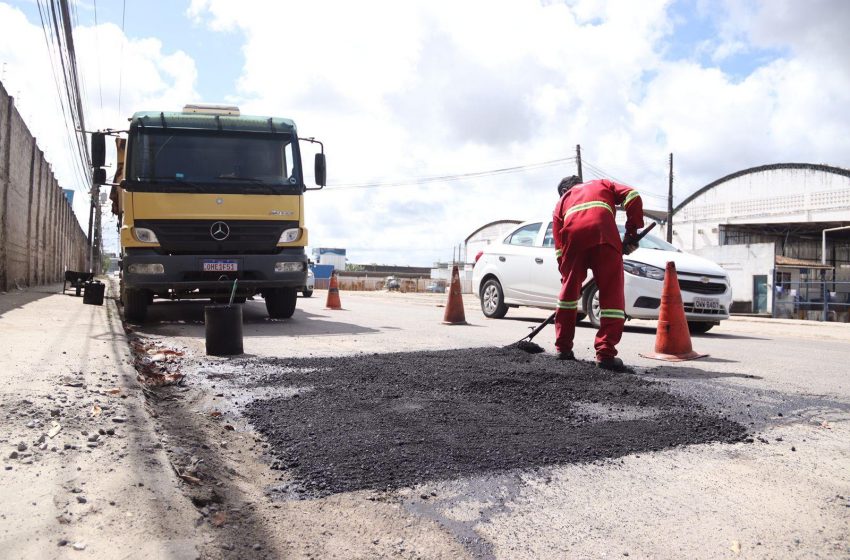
x,y
567,183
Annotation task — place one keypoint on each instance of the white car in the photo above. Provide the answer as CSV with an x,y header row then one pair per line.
x,y
522,271
311,283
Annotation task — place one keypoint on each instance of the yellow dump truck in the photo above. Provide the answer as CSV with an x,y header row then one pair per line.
x,y
207,196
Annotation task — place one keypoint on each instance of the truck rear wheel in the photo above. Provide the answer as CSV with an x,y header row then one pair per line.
x,y
135,304
280,302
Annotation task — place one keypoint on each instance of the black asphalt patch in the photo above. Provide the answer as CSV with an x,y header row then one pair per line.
x,y
385,421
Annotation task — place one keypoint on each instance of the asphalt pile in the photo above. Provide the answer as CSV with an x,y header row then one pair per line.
x,y
384,421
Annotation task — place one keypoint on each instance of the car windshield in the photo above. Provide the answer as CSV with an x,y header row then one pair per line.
x,y
212,161
651,242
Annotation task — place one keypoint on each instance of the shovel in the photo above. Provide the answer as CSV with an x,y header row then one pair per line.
x,y
525,342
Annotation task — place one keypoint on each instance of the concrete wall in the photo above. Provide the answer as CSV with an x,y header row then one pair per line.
x,y
40,236
742,262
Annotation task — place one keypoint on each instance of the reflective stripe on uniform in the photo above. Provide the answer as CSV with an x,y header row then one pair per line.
x,y
588,206
630,197
612,314
567,304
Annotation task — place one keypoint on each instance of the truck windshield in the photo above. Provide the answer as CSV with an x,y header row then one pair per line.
x,y
213,161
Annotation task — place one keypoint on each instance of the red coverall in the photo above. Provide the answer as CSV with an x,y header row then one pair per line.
x,y
586,236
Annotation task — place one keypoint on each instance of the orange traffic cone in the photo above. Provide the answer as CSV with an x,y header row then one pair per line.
x,y
673,340
454,308
333,294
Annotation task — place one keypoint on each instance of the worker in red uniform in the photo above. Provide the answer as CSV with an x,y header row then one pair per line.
x,y
586,237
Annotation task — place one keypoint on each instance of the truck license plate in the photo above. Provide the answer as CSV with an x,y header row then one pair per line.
x,y
706,303
220,266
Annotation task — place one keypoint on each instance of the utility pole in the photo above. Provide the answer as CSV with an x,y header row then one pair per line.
x,y
670,203
578,162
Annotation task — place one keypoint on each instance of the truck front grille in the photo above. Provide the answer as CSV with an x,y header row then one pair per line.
x,y
194,237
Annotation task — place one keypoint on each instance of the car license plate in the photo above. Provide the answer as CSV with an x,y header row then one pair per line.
x,y
220,266
706,303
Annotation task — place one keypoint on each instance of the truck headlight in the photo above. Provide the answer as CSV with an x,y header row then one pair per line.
x,y
144,235
146,268
643,270
288,267
290,235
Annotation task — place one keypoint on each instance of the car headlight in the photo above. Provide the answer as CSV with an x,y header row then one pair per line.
x,y
146,268
290,235
144,235
288,267
644,270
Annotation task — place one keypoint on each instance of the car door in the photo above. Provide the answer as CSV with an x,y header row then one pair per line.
x,y
544,277
514,260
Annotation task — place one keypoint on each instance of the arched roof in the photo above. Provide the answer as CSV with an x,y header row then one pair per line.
x,y
485,226
770,167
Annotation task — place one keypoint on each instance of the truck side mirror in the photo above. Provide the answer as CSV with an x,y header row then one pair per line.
x,y
98,149
99,176
320,170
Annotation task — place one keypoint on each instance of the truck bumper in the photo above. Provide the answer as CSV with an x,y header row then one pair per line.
x,y
186,272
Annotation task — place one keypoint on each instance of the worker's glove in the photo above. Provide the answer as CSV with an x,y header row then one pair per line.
x,y
630,244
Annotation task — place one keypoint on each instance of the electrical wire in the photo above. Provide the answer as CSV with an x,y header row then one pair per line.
x,y
599,173
121,57
453,177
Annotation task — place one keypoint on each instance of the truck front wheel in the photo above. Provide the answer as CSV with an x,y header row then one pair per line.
x,y
280,302
135,304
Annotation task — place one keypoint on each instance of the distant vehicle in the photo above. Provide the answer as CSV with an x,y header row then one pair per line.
x,y
311,283
392,283
522,270
436,288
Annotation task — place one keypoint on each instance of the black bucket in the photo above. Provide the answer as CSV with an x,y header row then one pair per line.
x,y
223,329
93,293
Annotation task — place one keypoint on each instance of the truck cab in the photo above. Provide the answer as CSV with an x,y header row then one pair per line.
x,y
208,198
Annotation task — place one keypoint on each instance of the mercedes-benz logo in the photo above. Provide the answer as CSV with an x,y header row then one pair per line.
x,y
220,231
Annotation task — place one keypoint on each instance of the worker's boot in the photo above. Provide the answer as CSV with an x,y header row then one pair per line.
x,y
566,355
612,364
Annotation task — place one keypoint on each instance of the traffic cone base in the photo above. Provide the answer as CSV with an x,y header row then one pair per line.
x,y
454,308
333,302
674,357
672,339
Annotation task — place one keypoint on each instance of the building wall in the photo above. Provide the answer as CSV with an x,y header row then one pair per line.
x,y
39,234
493,233
771,196
742,263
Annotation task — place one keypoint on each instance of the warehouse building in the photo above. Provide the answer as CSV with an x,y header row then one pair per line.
x,y
766,226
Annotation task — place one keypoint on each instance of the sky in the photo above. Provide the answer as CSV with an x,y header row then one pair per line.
x,y
402,91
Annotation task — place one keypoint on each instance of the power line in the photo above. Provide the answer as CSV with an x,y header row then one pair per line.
x,y
453,177
121,57
599,173
97,59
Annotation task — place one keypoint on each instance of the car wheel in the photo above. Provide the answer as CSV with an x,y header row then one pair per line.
x,y
699,327
307,293
591,305
493,300
580,317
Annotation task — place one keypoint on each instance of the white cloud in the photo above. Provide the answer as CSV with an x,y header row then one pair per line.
x,y
150,79
422,88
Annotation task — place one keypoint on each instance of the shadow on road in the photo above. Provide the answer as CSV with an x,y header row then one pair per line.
x,y
675,372
186,318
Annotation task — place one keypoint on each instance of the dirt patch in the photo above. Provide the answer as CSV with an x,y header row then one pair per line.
x,y
385,421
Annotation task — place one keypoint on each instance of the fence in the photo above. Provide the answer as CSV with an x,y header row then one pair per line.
x,y
376,283
814,300
40,236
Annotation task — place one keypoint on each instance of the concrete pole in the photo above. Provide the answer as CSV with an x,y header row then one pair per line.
x,y
670,203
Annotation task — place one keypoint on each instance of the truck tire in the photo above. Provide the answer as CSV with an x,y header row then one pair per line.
x,y
280,302
135,304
